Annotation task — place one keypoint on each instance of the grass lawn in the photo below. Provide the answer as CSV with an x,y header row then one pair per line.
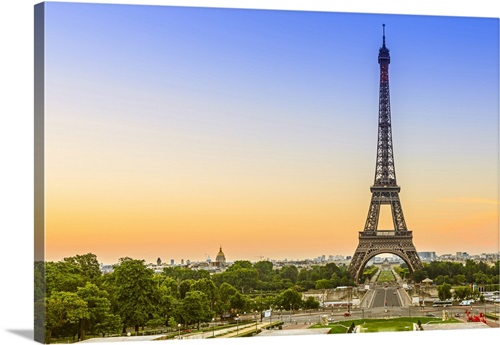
x,y
399,324
385,276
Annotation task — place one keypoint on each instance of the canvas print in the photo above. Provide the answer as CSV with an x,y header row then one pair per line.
x,y
208,173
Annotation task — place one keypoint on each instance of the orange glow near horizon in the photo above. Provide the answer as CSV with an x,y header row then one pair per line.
x,y
287,221
117,202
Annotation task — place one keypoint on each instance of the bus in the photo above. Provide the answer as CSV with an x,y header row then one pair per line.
x,y
336,304
442,303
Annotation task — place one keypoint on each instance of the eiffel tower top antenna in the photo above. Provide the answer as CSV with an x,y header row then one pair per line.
x,y
383,36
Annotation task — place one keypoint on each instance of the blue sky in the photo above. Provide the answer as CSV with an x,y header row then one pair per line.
x,y
250,107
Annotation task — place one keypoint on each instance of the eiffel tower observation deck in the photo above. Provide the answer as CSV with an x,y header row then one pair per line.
x,y
385,191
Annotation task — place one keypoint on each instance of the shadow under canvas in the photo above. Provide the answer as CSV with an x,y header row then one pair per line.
x,y
25,333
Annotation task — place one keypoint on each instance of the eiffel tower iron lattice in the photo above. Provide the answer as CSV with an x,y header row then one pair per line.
x,y
385,191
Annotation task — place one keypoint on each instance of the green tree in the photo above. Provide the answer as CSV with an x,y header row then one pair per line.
x,y
242,278
323,284
462,292
165,304
185,287
208,288
168,283
419,275
311,303
480,277
290,298
470,269
172,323
261,303
238,264
265,270
195,308
180,273
89,265
99,308
459,279
63,276
369,272
289,272
110,324
63,309
444,291
238,302
440,279
335,280
327,270
226,291
135,292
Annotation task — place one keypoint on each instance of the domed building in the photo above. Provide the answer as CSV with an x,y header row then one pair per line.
x,y
220,259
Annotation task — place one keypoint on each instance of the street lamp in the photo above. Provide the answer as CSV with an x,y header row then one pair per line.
x,y
213,327
179,326
237,324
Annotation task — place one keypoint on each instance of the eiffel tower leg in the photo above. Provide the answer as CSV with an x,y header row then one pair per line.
x,y
356,265
373,245
373,213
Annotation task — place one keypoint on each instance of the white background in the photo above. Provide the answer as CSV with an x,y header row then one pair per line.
x,y
16,159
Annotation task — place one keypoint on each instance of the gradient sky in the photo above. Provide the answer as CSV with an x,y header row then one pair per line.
x,y
171,131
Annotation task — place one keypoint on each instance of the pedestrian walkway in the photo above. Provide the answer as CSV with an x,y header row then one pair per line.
x,y
248,328
228,332
121,339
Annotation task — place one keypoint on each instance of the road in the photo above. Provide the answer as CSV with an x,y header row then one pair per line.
x,y
385,297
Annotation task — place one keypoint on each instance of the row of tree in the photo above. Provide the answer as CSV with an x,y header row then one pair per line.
x,y
456,273
460,293
74,299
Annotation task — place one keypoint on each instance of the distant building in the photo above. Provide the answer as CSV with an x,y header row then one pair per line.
x,y
427,256
106,268
172,262
220,259
158,262
446,257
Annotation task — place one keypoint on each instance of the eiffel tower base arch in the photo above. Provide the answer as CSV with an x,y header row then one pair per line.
x,y
371,246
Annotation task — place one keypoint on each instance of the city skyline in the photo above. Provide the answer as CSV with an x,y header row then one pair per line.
x,y
265,145
329,257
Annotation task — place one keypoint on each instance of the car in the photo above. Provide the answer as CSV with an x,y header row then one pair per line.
x,y
331,319
430,314
347,314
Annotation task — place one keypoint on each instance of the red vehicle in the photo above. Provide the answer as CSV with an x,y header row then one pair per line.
x,y
347,314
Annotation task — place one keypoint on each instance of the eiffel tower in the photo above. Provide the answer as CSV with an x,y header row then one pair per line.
x,y
385,191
